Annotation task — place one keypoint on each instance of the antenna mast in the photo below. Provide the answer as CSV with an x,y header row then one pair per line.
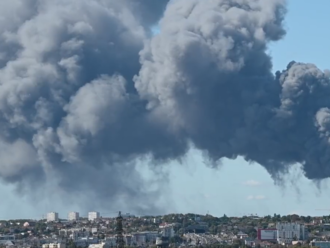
x,y
119,231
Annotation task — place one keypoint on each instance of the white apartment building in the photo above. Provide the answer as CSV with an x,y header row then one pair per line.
x,y
167,230
93,216
52,216
139,239
73,216
287,232
54,245
83,242
102,245
73,233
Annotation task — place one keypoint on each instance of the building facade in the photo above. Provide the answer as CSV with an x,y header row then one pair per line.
x,y
93,216
320,244
139,239
268,234
250,242
52,216
54,245
167,230
102,245
73,216
74,233
7,237
288,232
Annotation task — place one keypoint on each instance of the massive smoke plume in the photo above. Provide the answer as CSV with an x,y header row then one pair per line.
x,y
86,91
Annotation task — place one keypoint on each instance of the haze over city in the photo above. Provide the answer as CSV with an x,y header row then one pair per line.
x,y
130,105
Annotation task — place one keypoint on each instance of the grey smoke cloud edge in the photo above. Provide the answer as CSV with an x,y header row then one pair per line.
x,y
86,91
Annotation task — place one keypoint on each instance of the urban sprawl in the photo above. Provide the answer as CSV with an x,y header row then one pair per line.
x,y
173,230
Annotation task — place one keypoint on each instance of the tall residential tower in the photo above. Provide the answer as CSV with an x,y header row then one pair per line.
x,y
93,216
52,216
73,216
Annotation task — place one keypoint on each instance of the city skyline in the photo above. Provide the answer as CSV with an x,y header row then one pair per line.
x,y
187,230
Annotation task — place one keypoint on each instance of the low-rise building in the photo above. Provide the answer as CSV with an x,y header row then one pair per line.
x,y
73,233
112,241
162,242
320,244
7,237
242,235
102,245
269,234
250,242
167,230
54,245
129,240
139,238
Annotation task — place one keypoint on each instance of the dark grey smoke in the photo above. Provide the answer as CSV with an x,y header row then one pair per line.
x,y
208,77
85,93
69,116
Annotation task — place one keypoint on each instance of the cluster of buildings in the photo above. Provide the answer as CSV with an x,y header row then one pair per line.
x,y
85,233
72,216
88,236
284,233
94,231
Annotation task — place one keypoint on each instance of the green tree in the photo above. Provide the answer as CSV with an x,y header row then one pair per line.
x,y
71,244
175,239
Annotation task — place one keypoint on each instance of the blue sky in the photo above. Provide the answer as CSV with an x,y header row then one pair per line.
x,y
236,188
